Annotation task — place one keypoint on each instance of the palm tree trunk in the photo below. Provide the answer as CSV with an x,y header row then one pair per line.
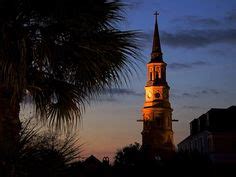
x,y
9,130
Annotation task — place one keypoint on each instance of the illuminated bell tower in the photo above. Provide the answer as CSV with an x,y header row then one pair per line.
x,y
157,134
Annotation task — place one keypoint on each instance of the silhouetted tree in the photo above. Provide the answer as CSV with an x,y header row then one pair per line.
x,y
132,160
129,156
60,53
38,154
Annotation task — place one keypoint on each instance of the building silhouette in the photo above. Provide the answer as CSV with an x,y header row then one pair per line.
x,y
213,134
157,134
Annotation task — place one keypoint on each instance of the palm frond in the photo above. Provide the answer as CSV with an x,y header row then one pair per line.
x,y
63,53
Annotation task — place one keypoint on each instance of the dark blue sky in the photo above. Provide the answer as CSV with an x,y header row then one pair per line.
x,y
198,41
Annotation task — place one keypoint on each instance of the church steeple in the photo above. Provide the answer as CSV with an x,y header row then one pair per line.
x,y
156,54
157,134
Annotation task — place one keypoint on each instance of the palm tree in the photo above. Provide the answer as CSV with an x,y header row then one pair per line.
x,y
60,53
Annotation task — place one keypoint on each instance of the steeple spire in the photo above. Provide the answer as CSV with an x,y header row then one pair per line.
x,y
156,54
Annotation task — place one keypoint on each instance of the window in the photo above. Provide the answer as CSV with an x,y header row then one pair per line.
x,y
157,75
150,76
210,145
201,145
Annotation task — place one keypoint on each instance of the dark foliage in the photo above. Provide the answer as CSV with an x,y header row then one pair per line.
x,y
40,155
131,161
129,156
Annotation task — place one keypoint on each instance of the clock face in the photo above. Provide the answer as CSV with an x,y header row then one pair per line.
x,y
157,95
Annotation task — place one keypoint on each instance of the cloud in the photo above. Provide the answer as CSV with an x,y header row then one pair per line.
x,y
199,38
227,20
231,16
122,91
113,94
198,21
202,31
134,4
179,66
201,93
210,91
193,38
219,52
190,95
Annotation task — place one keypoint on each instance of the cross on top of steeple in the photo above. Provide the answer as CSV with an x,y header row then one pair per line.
x,y
156,14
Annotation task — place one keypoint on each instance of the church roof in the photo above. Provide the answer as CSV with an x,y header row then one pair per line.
x,y
92,162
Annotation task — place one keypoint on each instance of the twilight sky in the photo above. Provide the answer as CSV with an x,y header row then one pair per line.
x,y
198,42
